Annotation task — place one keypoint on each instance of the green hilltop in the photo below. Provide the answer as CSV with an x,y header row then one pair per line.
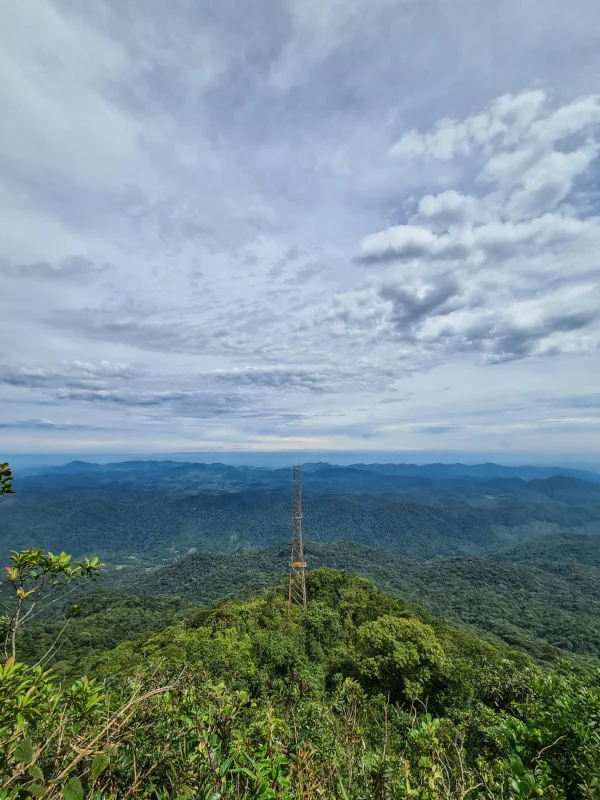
x,y
181,673
362,695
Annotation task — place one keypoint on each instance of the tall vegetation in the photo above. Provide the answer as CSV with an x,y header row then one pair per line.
x,y
357,697
39,580
5,479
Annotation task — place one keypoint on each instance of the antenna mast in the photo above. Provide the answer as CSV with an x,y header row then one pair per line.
x,y
297,588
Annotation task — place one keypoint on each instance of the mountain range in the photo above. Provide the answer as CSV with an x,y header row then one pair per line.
x,y
242,475
154,512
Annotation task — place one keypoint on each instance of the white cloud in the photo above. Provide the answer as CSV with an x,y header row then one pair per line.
x,y
510,275
505,121
486,243
518,138
411,242
544,184
446,210
183,193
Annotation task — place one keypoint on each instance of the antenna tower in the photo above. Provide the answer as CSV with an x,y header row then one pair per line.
x,y
297,589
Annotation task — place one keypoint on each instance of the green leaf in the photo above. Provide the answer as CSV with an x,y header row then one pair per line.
x,y
99,764
342,791
225,766
527,785
187,794
36,773
73,790
36,790
23,751
516,765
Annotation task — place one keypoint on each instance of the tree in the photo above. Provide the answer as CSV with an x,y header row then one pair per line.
x,y
403,654
5,479
39,580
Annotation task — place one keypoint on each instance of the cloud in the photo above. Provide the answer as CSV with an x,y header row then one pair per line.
x,y
444,317
546,333
122,397
278,376
74,268
446,210
411,242
495,240
411,307
46,425
237,222
74,373
145,334
487,274
201,404
507,122
589,400
532,153
526,329
436,430
548,181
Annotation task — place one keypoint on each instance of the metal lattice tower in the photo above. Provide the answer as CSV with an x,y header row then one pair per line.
x,y
297,589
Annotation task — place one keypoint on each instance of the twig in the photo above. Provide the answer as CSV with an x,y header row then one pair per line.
x,y
548,746
471,789
90,747
50,649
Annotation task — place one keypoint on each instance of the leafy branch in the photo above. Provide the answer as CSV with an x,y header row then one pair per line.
x,y
38,580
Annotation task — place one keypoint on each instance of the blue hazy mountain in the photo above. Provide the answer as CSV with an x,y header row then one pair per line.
x,y
323,470
157,511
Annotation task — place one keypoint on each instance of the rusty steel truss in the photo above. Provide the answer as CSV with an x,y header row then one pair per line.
x,y
297,586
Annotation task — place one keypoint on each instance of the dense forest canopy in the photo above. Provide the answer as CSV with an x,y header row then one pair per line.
x,y
157,511
179,674
359,696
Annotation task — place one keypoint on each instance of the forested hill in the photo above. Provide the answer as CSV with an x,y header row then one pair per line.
x,y
155,512
194,679
359,696
556,549
539,604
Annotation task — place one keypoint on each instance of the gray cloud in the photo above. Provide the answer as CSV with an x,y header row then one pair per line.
x,y
411,242
122,397
144,334
236,222
446,210
512,341
435,430
410,308
183,403
279,376
74,268
589,400
75,373
495,241
46,425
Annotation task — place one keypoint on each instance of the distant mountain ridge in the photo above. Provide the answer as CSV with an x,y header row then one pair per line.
x,y
438,471
485,471
159,511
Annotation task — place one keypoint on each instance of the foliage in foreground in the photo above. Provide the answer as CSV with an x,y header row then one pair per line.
x,y
37,580
355,698
5,479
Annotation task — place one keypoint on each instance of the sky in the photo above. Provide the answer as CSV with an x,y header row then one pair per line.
x,y
300,225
